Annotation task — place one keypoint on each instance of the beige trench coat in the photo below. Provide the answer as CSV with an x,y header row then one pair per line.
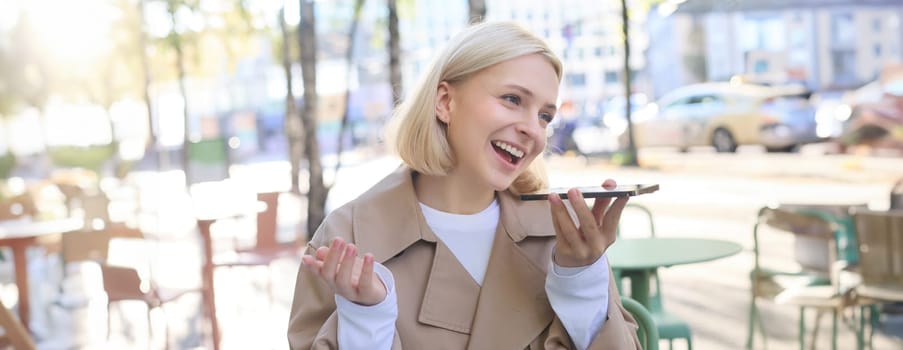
x,y
440,306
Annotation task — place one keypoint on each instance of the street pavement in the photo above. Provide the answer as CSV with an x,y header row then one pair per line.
x,y
702,194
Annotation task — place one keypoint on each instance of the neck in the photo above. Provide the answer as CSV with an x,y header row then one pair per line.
x,y
452,194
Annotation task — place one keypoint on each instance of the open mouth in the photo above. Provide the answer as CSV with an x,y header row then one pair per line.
x,y
508,151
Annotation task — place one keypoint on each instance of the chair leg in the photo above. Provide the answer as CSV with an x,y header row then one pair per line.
x,y
818,315
165,329
834,329
150,328
109,322
751,326
860,331
802,329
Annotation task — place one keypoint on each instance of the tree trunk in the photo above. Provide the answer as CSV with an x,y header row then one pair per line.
x,y
186,143
349,66
293,127
632,160
316,194
176,41
477,10
150,145
394,53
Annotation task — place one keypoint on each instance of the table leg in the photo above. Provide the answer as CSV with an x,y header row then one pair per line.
x,y
639,287
207,279
21,270
210,305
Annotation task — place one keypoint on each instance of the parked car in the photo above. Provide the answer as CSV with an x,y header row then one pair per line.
x,y
726,115
597,133
876,113
877,124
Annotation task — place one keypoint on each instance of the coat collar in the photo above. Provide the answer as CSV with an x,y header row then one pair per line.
x,y
387,220
393,204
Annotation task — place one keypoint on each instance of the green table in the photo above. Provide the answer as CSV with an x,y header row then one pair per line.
x,y
639,258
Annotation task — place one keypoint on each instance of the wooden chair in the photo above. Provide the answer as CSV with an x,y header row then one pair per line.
x,y
809,288
266,249
15,336
669,326
120,283
17,207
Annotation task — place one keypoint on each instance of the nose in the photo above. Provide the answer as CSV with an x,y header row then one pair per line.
x,y
532,129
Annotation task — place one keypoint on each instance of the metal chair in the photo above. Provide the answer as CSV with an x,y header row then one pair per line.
x,y
813,287
880,235
669,326
647,332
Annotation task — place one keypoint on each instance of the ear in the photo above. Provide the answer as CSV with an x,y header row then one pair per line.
x,y
443,102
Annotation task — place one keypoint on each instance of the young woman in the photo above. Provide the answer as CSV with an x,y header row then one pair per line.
x,y
441,254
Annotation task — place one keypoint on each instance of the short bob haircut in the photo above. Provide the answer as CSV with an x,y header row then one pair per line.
x,y
418,136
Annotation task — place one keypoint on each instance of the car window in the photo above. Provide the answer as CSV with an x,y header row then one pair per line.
x,y
680,102
705,99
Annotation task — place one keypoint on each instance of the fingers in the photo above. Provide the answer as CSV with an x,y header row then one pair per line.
x,y
321,253
601,204
613,215
331,262
589,226
566,230
366,280
343,278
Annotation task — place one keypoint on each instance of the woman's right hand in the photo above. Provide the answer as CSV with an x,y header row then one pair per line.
x,y
350,276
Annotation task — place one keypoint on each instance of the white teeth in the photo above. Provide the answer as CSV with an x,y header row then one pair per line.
x,y
509,148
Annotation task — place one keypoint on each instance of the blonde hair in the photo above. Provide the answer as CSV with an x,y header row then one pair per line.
x,y
416,134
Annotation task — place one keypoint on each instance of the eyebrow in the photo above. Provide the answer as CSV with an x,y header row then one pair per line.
x,y
529,93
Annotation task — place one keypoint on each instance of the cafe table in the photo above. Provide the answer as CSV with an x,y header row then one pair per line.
x,y
639,258
21,234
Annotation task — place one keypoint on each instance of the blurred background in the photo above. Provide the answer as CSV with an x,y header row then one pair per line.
x,y
146,144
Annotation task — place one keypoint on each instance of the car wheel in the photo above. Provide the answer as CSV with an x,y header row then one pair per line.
x,y
723,141
785,149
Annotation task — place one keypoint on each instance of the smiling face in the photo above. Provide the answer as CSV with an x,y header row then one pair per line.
x,y
497,119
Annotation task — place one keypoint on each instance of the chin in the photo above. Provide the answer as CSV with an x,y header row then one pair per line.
x,y
501,184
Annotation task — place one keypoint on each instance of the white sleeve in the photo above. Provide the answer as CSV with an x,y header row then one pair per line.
x,y
579,296
369,327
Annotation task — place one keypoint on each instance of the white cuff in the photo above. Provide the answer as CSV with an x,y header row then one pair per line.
x,y
579,296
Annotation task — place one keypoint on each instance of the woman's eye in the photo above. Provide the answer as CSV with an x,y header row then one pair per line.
x,y
546,117
512,98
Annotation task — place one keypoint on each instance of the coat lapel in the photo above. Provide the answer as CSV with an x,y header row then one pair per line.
x,y
513,308
451,295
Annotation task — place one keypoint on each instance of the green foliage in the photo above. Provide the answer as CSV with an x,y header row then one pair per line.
x,y
7,163
91,157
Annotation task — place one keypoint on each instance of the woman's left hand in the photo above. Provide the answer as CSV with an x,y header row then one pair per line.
x,y
583,244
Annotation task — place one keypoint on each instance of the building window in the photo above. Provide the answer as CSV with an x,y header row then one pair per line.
x,y
597,52
611,77
576,79
877,50
844,67
876,25
842,30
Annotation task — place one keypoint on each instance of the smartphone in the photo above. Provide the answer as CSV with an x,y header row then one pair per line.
x,y
595,192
